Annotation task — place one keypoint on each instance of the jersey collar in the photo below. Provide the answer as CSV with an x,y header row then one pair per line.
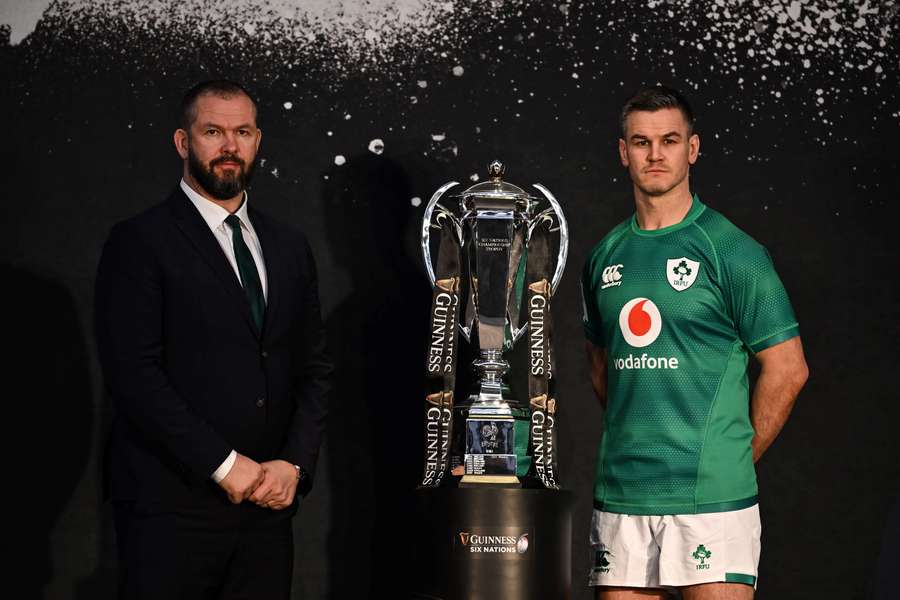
x,y
695,211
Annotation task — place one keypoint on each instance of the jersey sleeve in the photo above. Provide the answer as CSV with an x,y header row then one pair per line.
x,y
758,302
590,315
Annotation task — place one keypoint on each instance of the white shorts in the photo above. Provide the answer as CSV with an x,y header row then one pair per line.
x,y
675,550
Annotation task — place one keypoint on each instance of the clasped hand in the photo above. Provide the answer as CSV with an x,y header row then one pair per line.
x,y
270,484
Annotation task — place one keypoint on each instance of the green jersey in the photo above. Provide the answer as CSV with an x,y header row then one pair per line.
x,y
678,311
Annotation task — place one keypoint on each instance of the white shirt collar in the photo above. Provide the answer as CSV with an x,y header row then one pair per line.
x,y
212,213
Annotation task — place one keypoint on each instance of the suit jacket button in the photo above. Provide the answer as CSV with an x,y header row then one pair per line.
x,y
264,354
260,402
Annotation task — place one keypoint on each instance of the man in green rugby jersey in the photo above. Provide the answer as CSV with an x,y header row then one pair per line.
x,y
676,300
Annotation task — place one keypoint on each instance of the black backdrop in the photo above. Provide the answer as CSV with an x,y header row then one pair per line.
x,y
798,118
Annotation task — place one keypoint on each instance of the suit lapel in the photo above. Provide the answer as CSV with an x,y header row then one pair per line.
x,y
197,231
271,250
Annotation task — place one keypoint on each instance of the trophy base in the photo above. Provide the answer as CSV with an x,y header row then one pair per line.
x,y
500,481
487,543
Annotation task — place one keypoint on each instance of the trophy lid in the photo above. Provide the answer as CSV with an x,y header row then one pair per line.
x,y
496,187
487,193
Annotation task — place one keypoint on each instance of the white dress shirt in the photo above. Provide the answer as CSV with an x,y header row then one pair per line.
x,y
215,216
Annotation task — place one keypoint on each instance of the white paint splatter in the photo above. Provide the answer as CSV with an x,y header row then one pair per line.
x,y
791,42
361,32
339,159
415,201
376,146
793,46
21,17
352,35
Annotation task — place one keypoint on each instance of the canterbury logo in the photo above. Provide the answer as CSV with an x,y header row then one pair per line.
x,y
611,276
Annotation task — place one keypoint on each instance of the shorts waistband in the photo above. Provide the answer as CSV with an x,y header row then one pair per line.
x,y
679,509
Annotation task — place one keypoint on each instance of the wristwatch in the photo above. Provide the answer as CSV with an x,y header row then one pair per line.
x,y
304,483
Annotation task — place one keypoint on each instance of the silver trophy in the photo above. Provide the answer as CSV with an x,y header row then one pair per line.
x,y
495,225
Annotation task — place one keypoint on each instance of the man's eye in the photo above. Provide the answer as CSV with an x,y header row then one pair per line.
x,y
670,141
243,132
211,132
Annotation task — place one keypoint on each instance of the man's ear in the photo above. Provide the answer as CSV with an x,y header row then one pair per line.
x,y
694,145
180,137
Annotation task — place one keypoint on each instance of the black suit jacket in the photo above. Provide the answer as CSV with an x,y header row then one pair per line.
x,y
190,375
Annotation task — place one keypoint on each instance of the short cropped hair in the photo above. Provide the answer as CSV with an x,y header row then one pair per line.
x,y
223,88
656,98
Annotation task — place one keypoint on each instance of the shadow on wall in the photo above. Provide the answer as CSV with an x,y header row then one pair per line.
x,y
377,336
49,414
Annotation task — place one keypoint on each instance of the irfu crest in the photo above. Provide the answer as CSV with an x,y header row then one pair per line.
x,y
701,554
682,272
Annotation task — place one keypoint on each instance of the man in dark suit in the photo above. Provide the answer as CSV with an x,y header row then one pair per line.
x,y
213,351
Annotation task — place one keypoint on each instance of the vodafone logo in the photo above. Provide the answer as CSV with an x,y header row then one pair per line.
x,y
640,322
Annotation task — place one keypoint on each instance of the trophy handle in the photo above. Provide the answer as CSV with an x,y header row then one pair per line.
x,y
426,238
426,228
563,236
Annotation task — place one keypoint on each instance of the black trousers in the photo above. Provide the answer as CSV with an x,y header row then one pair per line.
x,y
241,554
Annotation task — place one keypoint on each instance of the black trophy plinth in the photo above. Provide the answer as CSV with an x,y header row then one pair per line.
x,y
491,543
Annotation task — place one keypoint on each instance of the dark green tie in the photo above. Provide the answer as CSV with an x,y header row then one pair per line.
x,y
247,269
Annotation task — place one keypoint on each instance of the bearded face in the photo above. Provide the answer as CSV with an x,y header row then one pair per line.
x,y
223,177
220,146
